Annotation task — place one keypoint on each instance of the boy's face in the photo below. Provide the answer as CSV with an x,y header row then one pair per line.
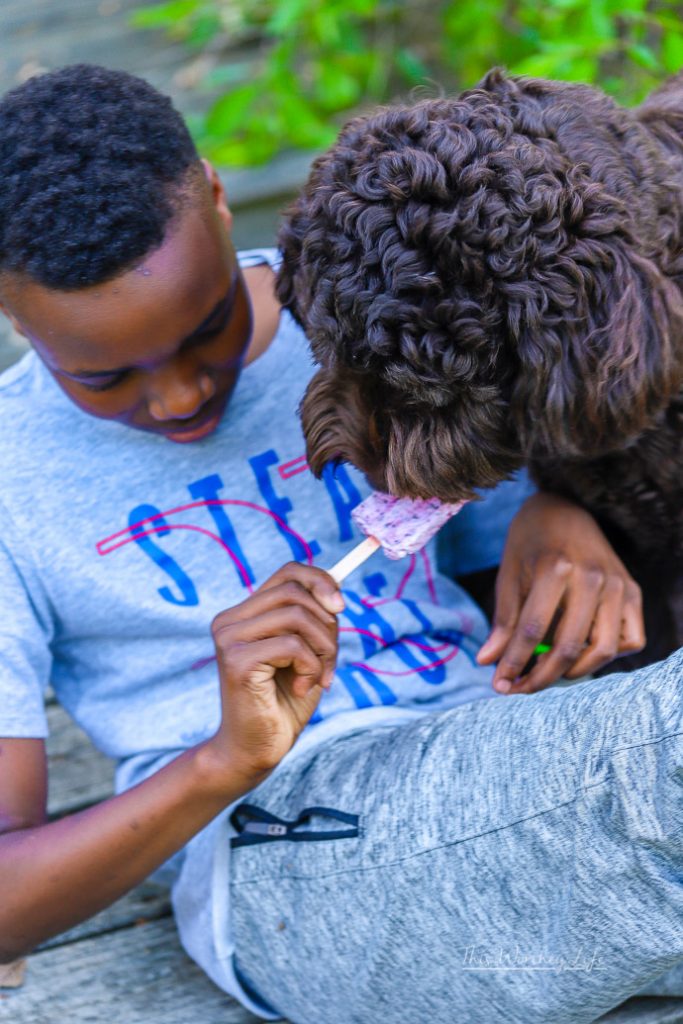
x,y
160,347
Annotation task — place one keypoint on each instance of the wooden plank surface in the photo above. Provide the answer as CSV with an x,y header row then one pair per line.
x,y
648,1010
78,775
137,976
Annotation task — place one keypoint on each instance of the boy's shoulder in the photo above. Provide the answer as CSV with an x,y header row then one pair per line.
x,y
26,387
16,376
34,415
20,386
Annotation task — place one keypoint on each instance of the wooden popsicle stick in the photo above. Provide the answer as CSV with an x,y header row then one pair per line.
x,y
355,557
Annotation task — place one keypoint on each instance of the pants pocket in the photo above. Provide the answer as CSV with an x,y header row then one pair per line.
x,y
254,826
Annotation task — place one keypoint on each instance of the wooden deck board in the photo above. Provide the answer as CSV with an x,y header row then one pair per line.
x,y
648,1010
78,775
137,976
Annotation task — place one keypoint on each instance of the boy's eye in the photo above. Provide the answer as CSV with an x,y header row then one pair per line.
x,y
104,384
212,329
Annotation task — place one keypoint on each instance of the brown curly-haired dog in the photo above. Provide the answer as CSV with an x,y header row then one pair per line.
x,y
496,280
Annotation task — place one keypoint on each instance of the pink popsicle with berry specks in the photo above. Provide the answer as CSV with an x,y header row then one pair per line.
x,y
400,526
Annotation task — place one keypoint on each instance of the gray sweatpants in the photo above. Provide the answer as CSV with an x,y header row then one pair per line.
x,y
516,860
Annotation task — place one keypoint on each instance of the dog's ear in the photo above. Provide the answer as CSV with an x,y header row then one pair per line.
x,y
415,452
597,336
339,426
411,451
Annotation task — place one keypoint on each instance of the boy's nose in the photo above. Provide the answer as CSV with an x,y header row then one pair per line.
x,y
178,393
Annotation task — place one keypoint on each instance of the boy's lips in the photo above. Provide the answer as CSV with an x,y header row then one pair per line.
x,y
206,426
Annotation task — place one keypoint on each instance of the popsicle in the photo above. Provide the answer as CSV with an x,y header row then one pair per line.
x,y
400,526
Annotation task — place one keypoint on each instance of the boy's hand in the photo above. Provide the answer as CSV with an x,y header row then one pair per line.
x,y
276,653
559,570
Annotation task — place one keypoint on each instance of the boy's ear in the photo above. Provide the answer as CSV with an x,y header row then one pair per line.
x,y
218,195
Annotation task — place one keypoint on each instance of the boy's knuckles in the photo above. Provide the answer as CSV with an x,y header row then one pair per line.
x,y
298,649
593,578
224,640
504,621
220,624
532,630
292,592
615,590
299,619
240,663
568,651
603,652
285,572
558,565
632,645
511,666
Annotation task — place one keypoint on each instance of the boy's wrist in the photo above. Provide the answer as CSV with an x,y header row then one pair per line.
x,y
222,775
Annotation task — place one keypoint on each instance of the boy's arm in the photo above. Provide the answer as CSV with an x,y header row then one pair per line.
x,y
54,875
275,653
23,784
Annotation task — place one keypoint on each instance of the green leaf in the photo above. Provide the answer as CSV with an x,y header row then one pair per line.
x,y
241,153
203,28
287,15
230,111
581,69
325,28
566,5
636,7
164,15
334,88
226,75
411,66
541,65
672,52
643,56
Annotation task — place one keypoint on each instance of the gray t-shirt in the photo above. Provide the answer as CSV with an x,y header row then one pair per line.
x,y
117,548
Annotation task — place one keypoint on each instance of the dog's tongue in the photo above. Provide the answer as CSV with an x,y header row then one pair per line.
x,y
402,525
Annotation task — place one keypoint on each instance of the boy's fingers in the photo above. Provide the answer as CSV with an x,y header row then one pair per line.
x,y
277,623
278,596
534,621
318,583
506,615
632,636
618,629
255,664
492,649
603,644
571,634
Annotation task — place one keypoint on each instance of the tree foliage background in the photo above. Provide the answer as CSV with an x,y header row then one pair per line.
x,y
286,73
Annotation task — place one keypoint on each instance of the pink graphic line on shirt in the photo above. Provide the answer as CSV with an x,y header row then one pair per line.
x,y
128,536
100,546
290,469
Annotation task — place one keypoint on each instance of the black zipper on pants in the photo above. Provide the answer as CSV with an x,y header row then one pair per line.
x,y
254,825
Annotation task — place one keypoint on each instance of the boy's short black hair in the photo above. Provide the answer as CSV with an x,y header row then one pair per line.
x,y
93,165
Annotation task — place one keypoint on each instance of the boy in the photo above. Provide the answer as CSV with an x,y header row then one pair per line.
x,y
152,436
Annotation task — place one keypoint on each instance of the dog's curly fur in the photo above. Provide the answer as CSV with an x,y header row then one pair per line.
x,y
496,280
